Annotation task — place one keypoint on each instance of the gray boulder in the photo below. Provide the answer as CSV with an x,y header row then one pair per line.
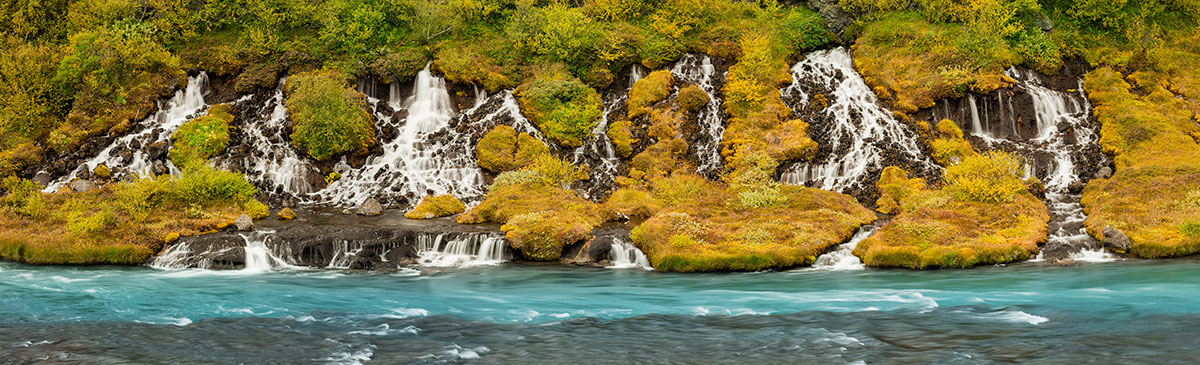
x,y
82,186
370,207
42,178
1116,240
1104,172
244,223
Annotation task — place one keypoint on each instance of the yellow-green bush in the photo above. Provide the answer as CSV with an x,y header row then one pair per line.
x,y
329,119
633,203
434,206
649,90
691,98
502,149
621,137
894,186
561,106
990,177
203,137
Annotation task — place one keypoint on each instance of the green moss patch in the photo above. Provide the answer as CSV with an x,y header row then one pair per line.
x,y
562,106
329,119
434,206
203,137
502,149
649,90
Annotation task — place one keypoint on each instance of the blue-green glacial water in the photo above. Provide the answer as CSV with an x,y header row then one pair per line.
x,y
1120,312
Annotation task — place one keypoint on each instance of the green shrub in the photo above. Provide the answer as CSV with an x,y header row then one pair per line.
x,y
202,138
502,149
562,107
621,137
23,198
989,177
649,90
202,185
329,119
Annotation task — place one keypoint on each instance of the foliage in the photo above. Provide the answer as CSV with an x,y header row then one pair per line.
x,y
691,98
622,138
634,203
894,186
434,206
649,90
202,138
502,149
328,118
990,177
562,107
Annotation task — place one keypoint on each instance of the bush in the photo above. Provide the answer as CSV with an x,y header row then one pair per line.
x,y
634,203
202,185
328,118
502,149
562,107
649,90
691,98
23,199
202,138
621,137
895,186
436,206
990,177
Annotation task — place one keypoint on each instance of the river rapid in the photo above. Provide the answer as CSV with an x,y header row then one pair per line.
x,y
1130,311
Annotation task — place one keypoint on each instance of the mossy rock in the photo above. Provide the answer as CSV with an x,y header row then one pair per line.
x,y
541,236
649,90
691,98
562,106
435,206
622,138
539,219
202,138
329,118
503,149
285,214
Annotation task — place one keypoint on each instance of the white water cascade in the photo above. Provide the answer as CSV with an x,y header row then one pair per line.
x,y
1063,131
699,70
127,155
624,255
842,257
859,137
414,164
258,256
597,151
461,251
270,160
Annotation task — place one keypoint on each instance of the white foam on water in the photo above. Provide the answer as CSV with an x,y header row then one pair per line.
x,y
385,329
1017,317
350,356
1097,255
842,257
179,321
466,250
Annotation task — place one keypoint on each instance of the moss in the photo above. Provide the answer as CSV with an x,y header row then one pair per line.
x,y
634,203
622,138
502,149
329,118
561,106
758,118
202,138
649,90
790,142
691,98
940,229
120,223
101,171
551,217
285,214
434,206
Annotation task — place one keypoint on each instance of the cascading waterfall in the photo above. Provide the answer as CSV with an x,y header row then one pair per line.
x,y
842,257
258,256
129,155
414,164
624,255
1064,133
179,256
269,160
859,137
461,251
597,151
699,70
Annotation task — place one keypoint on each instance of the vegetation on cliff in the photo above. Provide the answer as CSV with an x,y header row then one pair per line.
x,y
503,149
329,119
434,206
202,138
119,223
982,216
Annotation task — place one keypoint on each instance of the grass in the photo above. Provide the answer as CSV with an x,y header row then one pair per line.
x,y
120,223
434,206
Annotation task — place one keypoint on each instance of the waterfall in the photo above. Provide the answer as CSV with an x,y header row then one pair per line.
x,y
179,256
461,251
129,154
597,151
858,136
842,257
624,255
1064,139
699,70
269,159
258,256
424,158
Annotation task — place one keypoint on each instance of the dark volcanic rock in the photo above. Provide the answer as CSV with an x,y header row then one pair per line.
x,y
596,251
1116,240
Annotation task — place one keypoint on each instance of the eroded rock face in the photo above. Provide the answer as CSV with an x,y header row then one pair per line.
x,y
596,251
